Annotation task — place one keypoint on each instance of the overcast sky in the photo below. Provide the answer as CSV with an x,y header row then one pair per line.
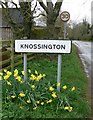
x,y
78,9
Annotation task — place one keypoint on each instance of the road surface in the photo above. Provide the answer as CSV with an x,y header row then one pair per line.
x,y
86,55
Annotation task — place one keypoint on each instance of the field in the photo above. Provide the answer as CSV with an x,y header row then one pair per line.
x,y
41,99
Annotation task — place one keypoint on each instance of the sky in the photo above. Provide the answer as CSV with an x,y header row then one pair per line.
x,y
78,9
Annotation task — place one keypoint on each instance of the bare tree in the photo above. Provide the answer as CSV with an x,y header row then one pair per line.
x,y
52,14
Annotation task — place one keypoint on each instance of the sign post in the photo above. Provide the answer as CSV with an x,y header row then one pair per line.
x,y
25,66
59,71
65,16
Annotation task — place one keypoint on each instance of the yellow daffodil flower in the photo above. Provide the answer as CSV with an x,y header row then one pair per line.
x,y
44,75
42,103
15,73
32,86
13,96
9,73
34,108
64,87
73,88
1,73
51,88
5,70
22,95
36,72
58,84
28,101
54,95
29,71
23,72
49,101
66,108
0,77
18,78
21,81
39,77
8,83
70,109
21,107
37,102
33,77
6,77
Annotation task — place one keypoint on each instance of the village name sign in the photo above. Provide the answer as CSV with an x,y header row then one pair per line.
x,y
43,46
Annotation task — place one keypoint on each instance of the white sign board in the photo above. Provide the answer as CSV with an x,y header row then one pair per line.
x,y
43,46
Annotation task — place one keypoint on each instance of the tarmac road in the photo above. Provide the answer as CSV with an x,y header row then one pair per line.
x,y
86,55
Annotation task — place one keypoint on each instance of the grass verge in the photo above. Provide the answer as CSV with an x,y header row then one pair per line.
x,y
72,75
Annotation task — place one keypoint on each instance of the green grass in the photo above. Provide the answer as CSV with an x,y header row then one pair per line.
x,y
72,75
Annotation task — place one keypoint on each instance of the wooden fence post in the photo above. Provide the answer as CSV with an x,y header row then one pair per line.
x,y
12,55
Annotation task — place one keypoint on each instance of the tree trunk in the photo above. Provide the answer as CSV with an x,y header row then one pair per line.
x,y
52,14
27,15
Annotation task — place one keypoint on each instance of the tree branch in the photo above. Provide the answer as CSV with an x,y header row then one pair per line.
x,y
58,5
3,4
39,15
34,7
43,5
14,4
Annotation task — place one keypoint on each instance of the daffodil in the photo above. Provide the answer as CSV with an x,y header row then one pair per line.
x,y
37,102
15,73
34,108
33,77
13,96
18,78
21,107
64,87
29,71
66,108
6,77
44,75
32,86
8,83
9,73
0,77
1,73
54,95
21,81
36,72
22,95
49,101
23,72
70,109
42,103
51,88
73,88
28,101
58,84
39,77
5,70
